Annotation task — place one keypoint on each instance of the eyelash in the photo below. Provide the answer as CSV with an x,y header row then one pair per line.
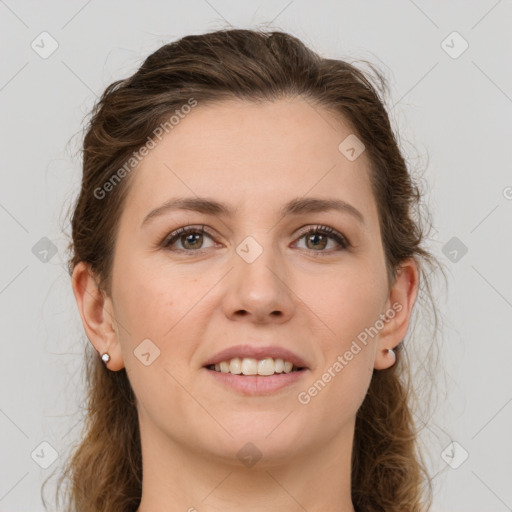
x,y
319,229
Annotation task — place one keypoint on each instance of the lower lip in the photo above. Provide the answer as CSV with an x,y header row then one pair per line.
x,y
257,384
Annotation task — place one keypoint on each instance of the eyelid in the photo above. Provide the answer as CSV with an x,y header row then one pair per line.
x,y
184,230
328,231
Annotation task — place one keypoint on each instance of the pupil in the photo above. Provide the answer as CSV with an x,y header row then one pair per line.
x,y
315,236
191,237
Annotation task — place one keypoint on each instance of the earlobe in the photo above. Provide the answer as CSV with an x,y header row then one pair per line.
x,y
97,315
400,303
386,360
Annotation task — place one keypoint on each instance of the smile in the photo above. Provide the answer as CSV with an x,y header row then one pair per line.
x,y
249,366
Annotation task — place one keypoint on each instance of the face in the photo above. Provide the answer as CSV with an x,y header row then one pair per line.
x,y
252,276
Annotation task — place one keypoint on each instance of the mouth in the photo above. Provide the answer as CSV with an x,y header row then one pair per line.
x,y
251,360
256,370
256,377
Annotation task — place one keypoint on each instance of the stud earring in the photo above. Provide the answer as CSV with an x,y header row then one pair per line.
x,y
391,352
105,357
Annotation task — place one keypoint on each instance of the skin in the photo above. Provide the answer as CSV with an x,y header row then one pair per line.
x,y
255,157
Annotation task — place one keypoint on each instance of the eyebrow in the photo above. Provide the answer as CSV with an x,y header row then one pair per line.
x,y
299,206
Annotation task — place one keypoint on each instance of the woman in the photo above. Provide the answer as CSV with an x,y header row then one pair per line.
x,y
245,263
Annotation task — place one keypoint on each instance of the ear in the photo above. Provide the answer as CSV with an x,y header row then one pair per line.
x,y
97,313
399,306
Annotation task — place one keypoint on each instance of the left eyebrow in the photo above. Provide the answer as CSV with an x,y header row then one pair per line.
x,y
299,206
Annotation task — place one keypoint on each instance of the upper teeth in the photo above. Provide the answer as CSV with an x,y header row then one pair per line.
x,y
249,366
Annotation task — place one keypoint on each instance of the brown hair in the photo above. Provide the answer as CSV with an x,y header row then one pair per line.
x,y
105,470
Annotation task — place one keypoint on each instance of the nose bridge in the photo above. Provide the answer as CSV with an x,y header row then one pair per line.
x,y
258,284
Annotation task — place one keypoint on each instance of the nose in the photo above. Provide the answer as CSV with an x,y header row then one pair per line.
x,y
259,291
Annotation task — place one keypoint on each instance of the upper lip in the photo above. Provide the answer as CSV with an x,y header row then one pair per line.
x,y
256,352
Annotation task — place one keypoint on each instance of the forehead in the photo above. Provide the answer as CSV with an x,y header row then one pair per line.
x,y
252,153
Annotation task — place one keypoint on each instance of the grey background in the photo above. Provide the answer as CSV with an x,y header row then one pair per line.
x,y
455,112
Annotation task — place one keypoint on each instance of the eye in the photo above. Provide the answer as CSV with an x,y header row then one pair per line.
x,y
317,238
190,237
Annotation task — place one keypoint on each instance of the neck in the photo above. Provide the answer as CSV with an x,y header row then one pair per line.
x,y
179,478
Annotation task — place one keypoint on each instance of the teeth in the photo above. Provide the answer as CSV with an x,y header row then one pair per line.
x,y
235,366
266,366
250,366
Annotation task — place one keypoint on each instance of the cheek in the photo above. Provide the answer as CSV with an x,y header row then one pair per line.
x,y
166,307
157,306
145,307
346,303
151,301
347,306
